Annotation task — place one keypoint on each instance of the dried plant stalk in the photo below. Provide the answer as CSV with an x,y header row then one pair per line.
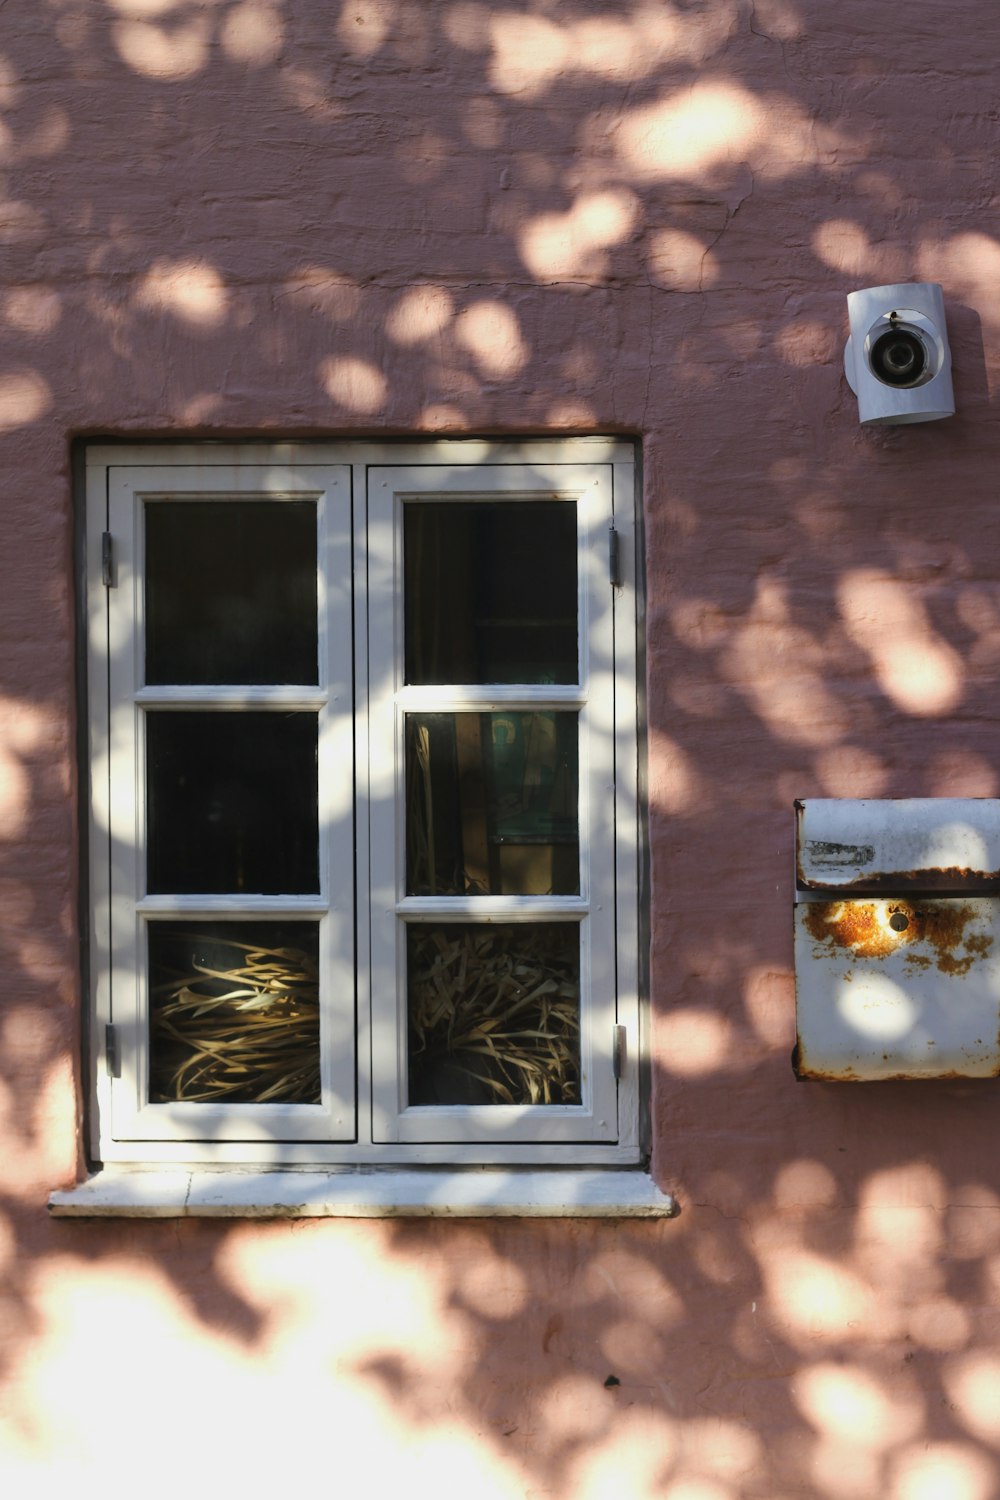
x,y
247,1032
495,1014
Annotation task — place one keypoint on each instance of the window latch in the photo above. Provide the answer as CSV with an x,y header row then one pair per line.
x,y
614,559
618,1050
107,560
112,1052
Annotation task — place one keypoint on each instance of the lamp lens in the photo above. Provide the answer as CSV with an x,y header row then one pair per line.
x,y
899,357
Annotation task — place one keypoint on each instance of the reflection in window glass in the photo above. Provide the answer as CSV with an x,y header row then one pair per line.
x,y
490,591
234,1012
491,804
230,591
494,1013
232,803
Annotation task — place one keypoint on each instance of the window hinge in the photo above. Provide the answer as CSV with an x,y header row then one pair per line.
x,y
618,1050
112,1052
107,560
614,559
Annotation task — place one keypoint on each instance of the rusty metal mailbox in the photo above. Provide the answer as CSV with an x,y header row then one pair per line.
x,y
897,939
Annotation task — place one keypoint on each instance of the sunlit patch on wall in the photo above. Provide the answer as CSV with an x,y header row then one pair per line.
x,y
807,342
531,52
441,417
201,408
778,19
528,51
851,771
819,1300
930,1471
490,332
680,262
972,1383
918,670
577,242
691,1042
805,1182
843,245
632,1455
20,224
189,289
691,131
252,32
782,669
354,383
676,786
848,1402
363,25
24,397
968,264
15,794
769,1002
571,413
173,52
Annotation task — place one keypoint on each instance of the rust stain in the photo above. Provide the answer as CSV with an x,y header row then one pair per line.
x,y
953,1075
875,929
851,924
806,1072
952,878
977,946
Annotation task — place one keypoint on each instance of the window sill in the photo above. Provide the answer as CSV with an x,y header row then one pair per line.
x,y
364,1194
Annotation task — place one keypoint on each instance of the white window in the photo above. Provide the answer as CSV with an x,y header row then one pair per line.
x,y
363,837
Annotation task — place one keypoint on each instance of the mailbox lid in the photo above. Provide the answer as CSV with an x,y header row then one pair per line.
x,y
914,843
897,988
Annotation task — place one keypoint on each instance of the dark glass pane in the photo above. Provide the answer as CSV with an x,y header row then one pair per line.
x,y
494,1013
490,591
491,804
231,591
231,801
234,1012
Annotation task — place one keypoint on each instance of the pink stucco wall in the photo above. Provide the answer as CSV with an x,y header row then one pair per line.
x,y
637,216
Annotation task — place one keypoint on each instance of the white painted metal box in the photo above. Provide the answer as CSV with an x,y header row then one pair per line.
x,y
897,939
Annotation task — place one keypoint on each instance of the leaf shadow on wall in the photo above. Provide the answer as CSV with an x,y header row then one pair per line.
x,y
379,218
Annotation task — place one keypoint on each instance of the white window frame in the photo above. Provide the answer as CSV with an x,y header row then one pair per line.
x,y
364,1119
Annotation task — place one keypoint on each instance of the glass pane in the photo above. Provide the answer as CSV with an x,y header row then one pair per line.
x,y
231,591
234,1012
490,591
231,801
494,1013
491,804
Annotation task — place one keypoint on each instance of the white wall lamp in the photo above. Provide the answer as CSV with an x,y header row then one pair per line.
x,y
897,360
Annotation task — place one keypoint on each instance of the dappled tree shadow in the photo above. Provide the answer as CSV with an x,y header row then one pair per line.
x,y
259,217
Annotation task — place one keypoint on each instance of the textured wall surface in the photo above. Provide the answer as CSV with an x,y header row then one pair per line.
x,y
442,216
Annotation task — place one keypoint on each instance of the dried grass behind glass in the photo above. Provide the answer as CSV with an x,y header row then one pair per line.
x,y
245,1033
502,1012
